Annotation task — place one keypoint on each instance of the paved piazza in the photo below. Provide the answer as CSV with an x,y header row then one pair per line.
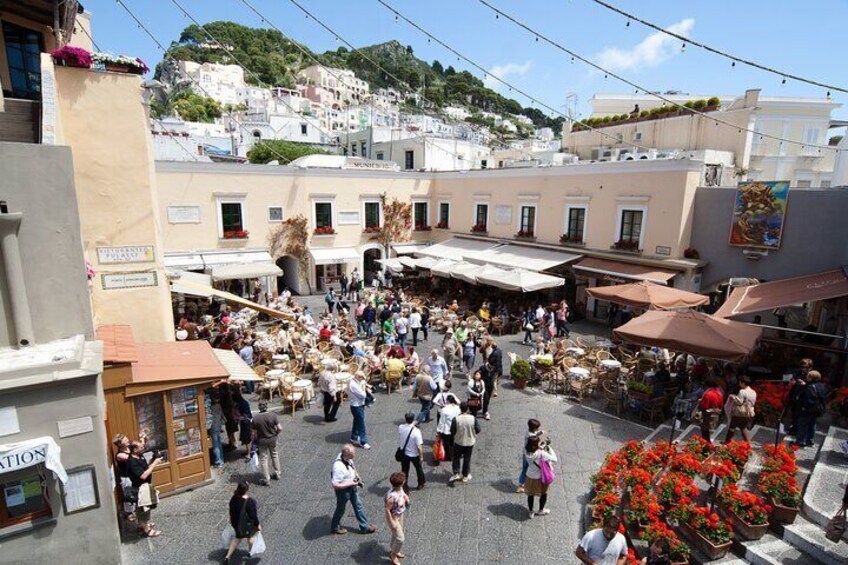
x,y
483,521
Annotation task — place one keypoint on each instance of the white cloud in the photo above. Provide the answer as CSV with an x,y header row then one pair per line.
x,y
503,72
650,52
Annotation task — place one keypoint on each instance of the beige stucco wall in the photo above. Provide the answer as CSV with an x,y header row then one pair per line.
x,y
113,169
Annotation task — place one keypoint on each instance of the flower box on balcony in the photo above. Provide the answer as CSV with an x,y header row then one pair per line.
x,y
525,235
480,229
574,240
236,234
423,228
69,56
327,230
442,226
120,63
626,245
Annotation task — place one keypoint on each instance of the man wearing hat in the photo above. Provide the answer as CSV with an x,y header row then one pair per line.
x,y
266,428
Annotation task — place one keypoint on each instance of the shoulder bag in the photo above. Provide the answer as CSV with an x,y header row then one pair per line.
x,y
401,451
546,472
836,527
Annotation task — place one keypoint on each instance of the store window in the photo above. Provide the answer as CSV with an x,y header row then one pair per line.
x,y
363,149
323,214
380,155
24,496
372,215
631,226
421,212
304,130
481,217
528,220
186,422
575,224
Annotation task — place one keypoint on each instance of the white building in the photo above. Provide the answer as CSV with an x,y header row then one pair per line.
x,y
223,83
176,140
416,151
456,112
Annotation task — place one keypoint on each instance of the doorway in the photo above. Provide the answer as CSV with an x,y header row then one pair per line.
x,y
370,266
291,274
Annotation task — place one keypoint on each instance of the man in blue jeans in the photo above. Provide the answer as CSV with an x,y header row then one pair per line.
x,y
347,483
357,391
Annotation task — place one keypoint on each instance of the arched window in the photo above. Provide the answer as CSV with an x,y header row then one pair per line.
x,y
257,135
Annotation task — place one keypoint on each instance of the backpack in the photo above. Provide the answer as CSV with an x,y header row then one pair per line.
x,y
813,403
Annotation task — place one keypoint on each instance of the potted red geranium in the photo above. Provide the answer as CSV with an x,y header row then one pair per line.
x,y
643,508
698,447
777,481
443,225
678,549
712,535
747,511
324,230
479,228
686,464
673,487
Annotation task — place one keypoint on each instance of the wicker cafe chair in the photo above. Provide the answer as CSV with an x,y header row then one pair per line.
x,y
612,396
496,326
291,396
653,408
579,388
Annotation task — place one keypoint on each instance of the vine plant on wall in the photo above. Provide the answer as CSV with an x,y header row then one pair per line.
x,y
397,222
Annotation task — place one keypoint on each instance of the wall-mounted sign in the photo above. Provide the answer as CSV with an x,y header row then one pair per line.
x,y
758,214
125,254
9,421
113,281
75,426
503,214
348,217
183,214
663,250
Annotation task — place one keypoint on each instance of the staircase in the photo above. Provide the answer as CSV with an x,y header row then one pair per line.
x,y
823,474
20,121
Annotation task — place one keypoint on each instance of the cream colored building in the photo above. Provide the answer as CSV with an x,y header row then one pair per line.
x,y
346,88
224,83
806,120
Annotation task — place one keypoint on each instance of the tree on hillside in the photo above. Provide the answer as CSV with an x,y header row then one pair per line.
x,y
280,150
192,107
438,68
450,71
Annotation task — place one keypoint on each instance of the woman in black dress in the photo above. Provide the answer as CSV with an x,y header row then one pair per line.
x,y
140,472
243,518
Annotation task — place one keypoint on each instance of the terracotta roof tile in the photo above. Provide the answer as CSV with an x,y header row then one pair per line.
x,y
118,343
176,361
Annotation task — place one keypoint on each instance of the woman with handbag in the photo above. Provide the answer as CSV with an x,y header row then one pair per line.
x,y
741,410
539,474
476,389
244,520
528,324
140,473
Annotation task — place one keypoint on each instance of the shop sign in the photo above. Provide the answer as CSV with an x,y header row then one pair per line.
x,y
183,214
113,281
348,217
503,214
16,456
125,254
663,250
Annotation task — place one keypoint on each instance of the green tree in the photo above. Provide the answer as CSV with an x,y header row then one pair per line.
x,y
195,108
438,68
281,150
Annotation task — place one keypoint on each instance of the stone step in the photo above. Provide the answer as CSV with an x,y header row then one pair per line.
x,y
826,484
809,538
771,550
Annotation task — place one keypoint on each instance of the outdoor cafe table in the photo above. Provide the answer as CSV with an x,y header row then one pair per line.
x,y
575,351
578,373
305,386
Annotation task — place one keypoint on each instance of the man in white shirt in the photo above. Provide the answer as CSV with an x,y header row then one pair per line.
x,y
415,325
346,482
401,329
540,313
356,392
603,546
332,398
437,366
411,448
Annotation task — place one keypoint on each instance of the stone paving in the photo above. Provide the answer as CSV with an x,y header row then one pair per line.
x,y
483,521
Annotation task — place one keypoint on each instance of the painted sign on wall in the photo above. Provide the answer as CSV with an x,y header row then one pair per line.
x,y
759,212
114,281
125,254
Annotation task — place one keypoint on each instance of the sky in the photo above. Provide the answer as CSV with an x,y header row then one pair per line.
x,y
801,38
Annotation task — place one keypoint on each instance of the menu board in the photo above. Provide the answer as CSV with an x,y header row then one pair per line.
x,y
150,413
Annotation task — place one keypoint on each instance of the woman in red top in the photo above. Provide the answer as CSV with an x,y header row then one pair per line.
x,y
325,333
710,407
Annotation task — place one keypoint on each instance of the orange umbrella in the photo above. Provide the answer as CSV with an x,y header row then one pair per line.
x,y
644,294
692,332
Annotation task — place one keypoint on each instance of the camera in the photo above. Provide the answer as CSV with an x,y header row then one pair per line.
x,y
358,482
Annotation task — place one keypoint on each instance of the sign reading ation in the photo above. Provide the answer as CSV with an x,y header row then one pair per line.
x,y
125,254
114,281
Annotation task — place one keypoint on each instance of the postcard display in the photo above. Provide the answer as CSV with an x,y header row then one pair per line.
x,y
186,422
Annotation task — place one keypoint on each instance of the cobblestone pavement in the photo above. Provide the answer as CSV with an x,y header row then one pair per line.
x,y
483,521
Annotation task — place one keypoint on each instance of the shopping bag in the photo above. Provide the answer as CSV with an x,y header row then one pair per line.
x,y
228,535
547,475
258,547
836,527
254,463
438,450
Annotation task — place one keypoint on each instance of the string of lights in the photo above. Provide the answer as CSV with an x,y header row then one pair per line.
x,y
164,51
512,88
607,73
256,77
422,137
377,66
164,129
733,58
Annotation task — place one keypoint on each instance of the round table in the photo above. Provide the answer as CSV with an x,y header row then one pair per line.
x,y
610,364
327,361
546,357
305,386
604,344
578,373
280,357
575,351
343,378
274,374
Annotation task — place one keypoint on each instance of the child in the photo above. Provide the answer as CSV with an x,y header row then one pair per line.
x,y
396,502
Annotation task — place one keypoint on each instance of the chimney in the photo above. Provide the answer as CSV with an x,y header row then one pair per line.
x,y
10,223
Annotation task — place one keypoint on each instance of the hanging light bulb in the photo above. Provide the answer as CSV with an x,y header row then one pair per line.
x,y
396,18
627,24
783,81
537,39
497,15
572,60
733,64
606,76
683,48
828,95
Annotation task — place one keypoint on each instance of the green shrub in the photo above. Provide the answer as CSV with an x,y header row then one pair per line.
x,y
688,104
637,386
655,111
699,104
713,101
643,114
520,370
606,119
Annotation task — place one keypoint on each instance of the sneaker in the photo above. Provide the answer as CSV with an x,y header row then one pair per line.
x,y
544,512
365,446
486,416
531,514
454,478
340,531
368,530
466,479
226,561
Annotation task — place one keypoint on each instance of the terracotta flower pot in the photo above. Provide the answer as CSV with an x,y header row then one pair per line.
x,y
782,514
706,547
744,529
519,384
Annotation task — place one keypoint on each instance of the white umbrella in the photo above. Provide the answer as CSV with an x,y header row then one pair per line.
x,y
408,261
472,273
521,280
394,264
443,268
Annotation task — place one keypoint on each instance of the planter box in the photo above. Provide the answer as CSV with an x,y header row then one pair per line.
x,y
524,238
782,514
519,384
573,243
641,396
770,420
113,68
703,544
744,529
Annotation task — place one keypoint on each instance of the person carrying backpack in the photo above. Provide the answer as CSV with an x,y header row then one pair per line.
x,y
810,405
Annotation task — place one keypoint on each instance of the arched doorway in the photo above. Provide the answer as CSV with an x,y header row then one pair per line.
x,y
291,274
370,266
